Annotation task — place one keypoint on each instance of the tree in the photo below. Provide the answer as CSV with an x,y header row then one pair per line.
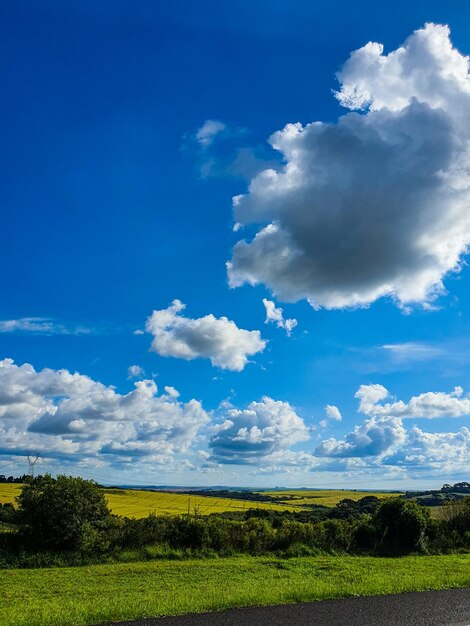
x,y
401,526
63,512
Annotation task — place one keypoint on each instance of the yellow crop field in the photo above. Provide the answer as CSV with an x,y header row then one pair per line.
x,y
139,503
9,491
299,498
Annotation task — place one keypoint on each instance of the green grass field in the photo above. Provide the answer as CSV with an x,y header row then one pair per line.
x,y
139,503
93,594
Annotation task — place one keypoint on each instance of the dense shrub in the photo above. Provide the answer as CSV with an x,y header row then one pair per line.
x,y
8,514
401,526
365,536
63,513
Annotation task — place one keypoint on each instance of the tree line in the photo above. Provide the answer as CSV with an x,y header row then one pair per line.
x,y
13,479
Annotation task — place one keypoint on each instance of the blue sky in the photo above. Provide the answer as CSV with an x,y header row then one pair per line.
x,y
127,130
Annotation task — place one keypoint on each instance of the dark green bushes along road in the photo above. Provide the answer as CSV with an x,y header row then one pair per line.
x,y
66,521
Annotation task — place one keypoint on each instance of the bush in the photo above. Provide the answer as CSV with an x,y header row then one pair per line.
x,y
365,536
456,516
401,526
63,513
452,531
8,514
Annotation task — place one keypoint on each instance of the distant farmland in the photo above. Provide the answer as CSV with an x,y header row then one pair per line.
x,y
302,498
139,502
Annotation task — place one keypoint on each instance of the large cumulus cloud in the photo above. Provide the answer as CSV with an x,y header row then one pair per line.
x,y
217,339
375,437
439,453
264,430
376,204
59,414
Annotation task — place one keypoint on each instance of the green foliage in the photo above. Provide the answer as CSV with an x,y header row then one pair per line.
x,y
401,526
451,531
63,513
70,514
8,514
347,508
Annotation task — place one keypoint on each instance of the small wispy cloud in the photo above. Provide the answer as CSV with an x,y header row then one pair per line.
x,y
208,131
412,351
41,326
221,149
332,413
135,371
275,315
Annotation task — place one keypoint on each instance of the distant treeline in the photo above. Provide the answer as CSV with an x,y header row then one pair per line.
x,y
13,479
251,496
438,497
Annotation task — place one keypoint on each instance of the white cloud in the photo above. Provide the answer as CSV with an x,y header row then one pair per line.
x,y
251,435
432,404
376,204
275,315
40,326
382,440
443,453
426,68
375,437
206,134
333,413
217,339
369,396
60,414
171,391
70,418
135,371
412,351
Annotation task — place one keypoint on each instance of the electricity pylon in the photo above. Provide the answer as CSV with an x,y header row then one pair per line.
x,y
32,460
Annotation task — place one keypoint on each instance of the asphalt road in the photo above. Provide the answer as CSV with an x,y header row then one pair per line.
x,y
428,608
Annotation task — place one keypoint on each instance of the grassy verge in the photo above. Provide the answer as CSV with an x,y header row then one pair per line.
x,y
89,595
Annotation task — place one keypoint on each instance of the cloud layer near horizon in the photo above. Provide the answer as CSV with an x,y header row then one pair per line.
x,y
382,437
58,414
376,204
69,417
